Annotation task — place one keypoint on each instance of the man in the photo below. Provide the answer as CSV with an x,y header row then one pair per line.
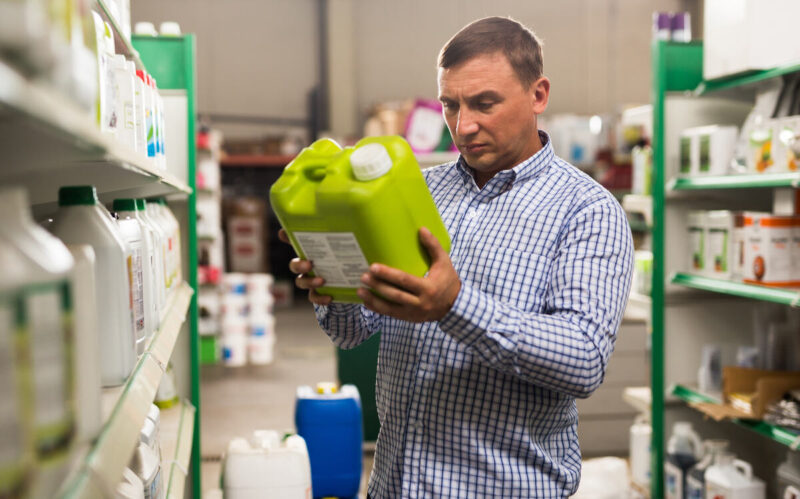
x,y
482,359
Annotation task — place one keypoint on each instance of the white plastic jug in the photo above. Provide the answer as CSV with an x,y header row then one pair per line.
x,y
16,432
266,467
730,478
131,486
159,251
640,440
789,476
88,383
168,239
684,449
695,477
147,466
81,220
132,234
46,264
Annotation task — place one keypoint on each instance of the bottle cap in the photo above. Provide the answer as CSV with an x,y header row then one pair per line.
x,y
326,388
125,204
170,28
370,161
145,28
141,205
74,195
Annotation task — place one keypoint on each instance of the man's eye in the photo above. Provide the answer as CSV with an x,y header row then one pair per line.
x,y
485,106
449,106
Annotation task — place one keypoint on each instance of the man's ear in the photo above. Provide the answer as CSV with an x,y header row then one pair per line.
x,y
540,94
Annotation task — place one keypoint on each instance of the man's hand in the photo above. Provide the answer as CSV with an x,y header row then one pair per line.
x,y
412,298
303,280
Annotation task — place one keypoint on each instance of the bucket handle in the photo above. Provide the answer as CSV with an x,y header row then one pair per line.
x,y
315,173
744,467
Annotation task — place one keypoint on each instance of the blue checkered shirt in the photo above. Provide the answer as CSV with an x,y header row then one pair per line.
x,y
482,403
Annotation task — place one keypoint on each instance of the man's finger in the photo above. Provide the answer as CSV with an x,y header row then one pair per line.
x,y
378,304
431,244
403,280
389,292
284,236
298,266
319,299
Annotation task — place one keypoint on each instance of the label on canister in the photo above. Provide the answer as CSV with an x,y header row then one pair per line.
x,y
337,257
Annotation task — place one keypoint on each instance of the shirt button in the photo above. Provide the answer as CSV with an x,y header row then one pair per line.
x,y
423,366
472,213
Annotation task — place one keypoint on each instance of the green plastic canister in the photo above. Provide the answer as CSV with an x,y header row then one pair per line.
x,y
347,208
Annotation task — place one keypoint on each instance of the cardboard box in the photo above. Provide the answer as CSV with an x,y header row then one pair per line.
x,y
763,387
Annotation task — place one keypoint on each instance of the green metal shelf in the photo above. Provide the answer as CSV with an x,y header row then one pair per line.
x,y
773,432
746,181
743,79
755,292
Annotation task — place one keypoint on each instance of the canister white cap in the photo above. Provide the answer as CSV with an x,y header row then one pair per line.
x,y
145,28
170,28
119,62
370,161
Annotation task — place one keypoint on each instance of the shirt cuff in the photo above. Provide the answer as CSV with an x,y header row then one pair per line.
x,y
470,317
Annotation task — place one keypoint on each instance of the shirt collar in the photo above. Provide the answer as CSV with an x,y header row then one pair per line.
x,y
529,168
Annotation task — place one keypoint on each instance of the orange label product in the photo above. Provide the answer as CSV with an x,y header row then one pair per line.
x,y
768,243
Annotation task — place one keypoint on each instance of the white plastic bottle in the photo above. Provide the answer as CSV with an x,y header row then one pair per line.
x,y
731,478
125,103
641,434
149,436
147,467
128,211
177,270
684,449
47,307
16,435
149,267
139,112
81,220
131,233
146,215
265,466
88,384
154,212
131,486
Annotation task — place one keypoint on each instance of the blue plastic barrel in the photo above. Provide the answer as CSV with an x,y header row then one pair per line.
x,y
330,422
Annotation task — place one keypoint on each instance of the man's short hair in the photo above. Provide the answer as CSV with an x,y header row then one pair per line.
x,y
497,34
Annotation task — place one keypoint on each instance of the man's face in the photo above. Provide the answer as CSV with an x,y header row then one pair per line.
x,y
491,116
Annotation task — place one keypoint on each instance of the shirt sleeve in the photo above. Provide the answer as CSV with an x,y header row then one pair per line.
x,y
566,347
347,325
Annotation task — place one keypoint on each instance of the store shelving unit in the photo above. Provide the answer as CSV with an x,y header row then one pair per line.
x,y
176,433
777,433
49,141
683,324
171,61
125,408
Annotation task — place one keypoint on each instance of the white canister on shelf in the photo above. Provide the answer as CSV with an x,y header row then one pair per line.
x,y
132,233
125,102
235,283
719,243
88,384
147,214
139,110
47,307
150,266
131,486
259,284
234,341
81,220
147,467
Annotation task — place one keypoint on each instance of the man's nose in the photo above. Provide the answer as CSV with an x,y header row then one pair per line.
x,y
466,125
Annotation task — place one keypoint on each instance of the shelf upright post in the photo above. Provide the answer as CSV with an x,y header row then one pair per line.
x,y
676,67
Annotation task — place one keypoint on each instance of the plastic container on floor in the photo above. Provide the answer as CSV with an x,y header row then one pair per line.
x,y
345,209
81,220
265,466
640,439
330,422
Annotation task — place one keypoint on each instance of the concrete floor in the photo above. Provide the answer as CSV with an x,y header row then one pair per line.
x,y
236,401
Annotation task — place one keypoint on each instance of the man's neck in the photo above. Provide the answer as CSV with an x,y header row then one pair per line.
x,y
482,178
